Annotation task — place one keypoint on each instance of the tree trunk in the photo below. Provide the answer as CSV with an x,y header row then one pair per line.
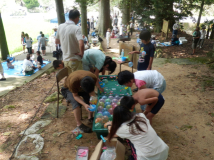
x,y
60,11
83,7
3,41
125,9
98,23
104,19
201,10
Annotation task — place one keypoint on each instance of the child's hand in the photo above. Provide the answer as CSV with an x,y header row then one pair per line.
x,y
149,68
131,53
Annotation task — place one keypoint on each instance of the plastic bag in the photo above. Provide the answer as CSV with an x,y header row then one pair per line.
x,y
109,154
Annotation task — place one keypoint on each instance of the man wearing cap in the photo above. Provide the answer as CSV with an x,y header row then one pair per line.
x,y
70,37
38,39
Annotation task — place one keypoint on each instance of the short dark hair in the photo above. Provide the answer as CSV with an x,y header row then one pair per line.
x,y
8,61
74,14
112,64
145,35
127,101
38,52
43,35
40,32
28,56
125,77
87,84
56,63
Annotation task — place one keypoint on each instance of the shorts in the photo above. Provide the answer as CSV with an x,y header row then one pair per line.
x,y
73,65
162,88
194,45
43,48
158,105
69,97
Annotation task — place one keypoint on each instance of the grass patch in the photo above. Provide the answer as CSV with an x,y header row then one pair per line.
x,y
168,61
4,146
9,107
185,127
53,97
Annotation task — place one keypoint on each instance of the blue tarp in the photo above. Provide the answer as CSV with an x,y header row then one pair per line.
x,y
17,71
55,20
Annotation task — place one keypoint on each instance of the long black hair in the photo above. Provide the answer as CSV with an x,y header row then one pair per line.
x,y
122,114
112,64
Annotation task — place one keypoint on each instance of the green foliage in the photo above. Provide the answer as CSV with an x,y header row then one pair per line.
x,y
31,3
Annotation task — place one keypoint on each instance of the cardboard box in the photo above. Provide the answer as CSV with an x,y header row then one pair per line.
x,y
119,149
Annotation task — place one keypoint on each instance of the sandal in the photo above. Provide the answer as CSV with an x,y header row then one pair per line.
x,y
85,128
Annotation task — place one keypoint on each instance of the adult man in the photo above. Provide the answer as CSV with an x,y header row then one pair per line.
x,y
70,37
88,26
38,39
131,27
80,83
92,22
115,20
175,28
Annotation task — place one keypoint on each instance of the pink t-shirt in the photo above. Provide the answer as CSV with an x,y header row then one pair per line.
x,y
139,83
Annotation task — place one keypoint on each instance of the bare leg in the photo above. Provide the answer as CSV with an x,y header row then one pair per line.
x,y
24,49
149,116
77,115
90,115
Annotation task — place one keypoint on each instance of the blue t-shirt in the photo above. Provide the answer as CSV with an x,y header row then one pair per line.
x,y
146,51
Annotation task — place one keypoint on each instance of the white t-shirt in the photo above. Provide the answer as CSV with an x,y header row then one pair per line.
x,y
108,35
121,30
92,19
69,35
150,78
27,65
175,26
131,25
203,34
148,145
28,42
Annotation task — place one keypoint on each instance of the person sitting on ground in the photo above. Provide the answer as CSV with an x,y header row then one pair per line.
x,y
9,64
143,79
80,83
137,129
151,97
2,72
43,44
93,60
174,40
28,67
39,60
87,46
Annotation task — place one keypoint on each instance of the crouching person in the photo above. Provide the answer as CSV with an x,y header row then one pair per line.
x,y
80,84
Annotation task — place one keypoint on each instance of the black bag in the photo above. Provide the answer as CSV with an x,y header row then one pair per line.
x,y
100,39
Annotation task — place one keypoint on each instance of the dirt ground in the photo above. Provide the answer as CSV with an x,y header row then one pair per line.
x,y
185,123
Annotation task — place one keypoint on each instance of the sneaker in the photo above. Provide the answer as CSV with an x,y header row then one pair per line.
x,y
90,121
135,90
85,128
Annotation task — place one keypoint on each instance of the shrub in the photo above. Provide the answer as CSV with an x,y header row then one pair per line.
x,y
31,3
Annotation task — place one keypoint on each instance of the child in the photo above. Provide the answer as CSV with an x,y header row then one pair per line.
x,y
9,64
2,72
39,60
174,40
43,44
146,52
151,97
108,37
143,79
137,129
196,36
80,84
202,38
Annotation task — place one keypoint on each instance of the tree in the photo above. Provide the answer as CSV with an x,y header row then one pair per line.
x,y
3,41
104,19
31,3
125,7
60,11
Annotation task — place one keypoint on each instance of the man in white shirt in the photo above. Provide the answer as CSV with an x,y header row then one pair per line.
x,y
92,22
131,27
202,37
38,39
175,28
69,35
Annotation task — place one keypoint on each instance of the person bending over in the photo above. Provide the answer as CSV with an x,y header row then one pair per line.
x,y
80,84
151,97
137,129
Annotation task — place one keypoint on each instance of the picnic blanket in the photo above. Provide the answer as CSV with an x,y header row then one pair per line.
x,y
17,71
168,45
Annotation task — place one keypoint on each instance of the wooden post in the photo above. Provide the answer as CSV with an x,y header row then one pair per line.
x,y
60,11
